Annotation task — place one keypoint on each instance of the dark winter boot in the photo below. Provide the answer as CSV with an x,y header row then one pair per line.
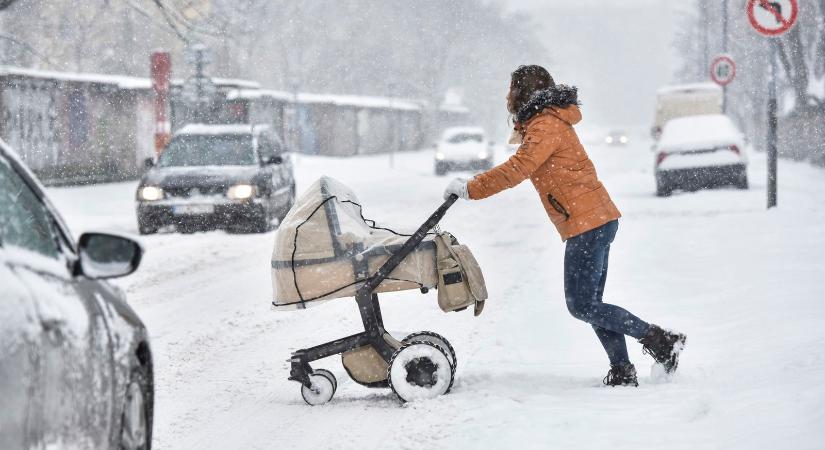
x,y
664,346
624,375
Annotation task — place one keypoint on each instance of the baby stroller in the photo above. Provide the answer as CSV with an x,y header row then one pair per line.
x,y
326,249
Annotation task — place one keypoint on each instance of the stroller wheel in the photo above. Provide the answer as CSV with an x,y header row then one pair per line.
x,y
420,370
435,338
329,376
322,390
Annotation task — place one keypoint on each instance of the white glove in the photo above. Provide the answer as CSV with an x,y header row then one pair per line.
x,y
458,187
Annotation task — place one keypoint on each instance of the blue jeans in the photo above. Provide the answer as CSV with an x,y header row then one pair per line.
x,y
585,273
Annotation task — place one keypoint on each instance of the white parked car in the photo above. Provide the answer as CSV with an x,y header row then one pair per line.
x,y
463,148
697,152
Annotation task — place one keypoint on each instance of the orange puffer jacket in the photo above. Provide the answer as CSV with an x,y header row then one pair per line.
x,y
557,164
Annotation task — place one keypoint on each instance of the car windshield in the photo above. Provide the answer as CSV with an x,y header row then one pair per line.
x,y
465,137
208,150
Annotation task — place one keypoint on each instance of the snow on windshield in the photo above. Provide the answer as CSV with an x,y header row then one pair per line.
x,y
208,150
465,137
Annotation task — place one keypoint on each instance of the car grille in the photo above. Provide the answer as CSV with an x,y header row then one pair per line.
x,y
186,192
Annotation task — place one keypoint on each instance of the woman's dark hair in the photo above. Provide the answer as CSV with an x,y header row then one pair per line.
x,y
525,81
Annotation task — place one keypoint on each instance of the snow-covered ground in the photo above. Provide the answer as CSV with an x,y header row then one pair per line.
x,y
747,286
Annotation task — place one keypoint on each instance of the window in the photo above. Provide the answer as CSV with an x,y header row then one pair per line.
x,y
208,150
24,222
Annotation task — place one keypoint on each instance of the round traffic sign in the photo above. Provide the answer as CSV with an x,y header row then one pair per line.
x,y
772,17
722,70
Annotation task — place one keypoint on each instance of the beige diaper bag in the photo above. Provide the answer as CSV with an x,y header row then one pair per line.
x,y
460,281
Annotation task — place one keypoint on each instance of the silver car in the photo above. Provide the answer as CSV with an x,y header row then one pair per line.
x,y
75,363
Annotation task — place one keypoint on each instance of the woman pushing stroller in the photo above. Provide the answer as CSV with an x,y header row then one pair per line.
x,y
552,157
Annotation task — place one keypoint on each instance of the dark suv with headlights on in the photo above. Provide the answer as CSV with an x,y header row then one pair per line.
x,y
75,362
235,177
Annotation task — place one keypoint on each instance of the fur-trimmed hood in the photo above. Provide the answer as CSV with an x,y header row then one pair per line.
x,y
559,96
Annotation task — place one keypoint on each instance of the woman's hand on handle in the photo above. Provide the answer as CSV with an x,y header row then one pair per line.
x,y
458,187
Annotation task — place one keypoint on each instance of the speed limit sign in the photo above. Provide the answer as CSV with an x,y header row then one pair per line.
x,y
722,70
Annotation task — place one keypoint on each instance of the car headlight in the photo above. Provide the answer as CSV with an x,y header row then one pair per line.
x,y
439,156
150,193
623,139
240,191
483,154
608,140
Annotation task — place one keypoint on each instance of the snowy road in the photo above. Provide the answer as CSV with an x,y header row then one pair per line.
x,y
746,286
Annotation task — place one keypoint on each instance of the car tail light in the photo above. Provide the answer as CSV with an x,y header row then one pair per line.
x,y
734,149
660,157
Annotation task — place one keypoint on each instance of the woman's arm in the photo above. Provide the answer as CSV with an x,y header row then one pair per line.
x,y
539,143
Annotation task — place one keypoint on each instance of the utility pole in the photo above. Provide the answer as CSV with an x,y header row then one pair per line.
x,y
393,126
725,51
199,90
705,30
200,63
294,123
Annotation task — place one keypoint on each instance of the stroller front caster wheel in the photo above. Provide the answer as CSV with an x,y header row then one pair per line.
x,y
322,388
420,370
435,338
329,375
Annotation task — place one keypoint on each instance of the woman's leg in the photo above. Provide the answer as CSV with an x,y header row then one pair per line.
x,y
585,259
614,343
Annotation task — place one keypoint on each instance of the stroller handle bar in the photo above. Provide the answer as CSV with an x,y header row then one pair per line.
x,y
408,246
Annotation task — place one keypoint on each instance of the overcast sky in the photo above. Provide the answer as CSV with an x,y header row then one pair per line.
x,y
617,53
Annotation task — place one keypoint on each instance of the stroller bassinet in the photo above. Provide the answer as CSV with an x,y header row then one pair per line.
x,y
326,249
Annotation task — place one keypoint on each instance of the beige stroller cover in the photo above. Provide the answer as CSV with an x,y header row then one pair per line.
x,y
325,249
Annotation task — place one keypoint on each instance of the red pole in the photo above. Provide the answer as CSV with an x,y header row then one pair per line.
x,y
161,67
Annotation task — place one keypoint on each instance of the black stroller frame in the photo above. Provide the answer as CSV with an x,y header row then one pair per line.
x,y
368,306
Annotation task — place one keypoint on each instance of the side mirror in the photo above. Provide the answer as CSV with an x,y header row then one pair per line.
x,y
277,159
148,163
104,255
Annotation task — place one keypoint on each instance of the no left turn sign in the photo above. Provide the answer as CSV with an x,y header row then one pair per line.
x,y
772,17
722,70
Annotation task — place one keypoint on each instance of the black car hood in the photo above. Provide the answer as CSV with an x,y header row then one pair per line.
x,y
174,177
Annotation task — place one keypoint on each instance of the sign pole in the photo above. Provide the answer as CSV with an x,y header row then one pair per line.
x,y
772,19
772,126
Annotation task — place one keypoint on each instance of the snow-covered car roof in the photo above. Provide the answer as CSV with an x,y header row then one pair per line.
x,y
689,88
200,128
452,131
704,131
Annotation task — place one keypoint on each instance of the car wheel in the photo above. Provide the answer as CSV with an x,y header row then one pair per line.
x,y
136,419
742,181
261,224
440,169
145,228
285,209
662,188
